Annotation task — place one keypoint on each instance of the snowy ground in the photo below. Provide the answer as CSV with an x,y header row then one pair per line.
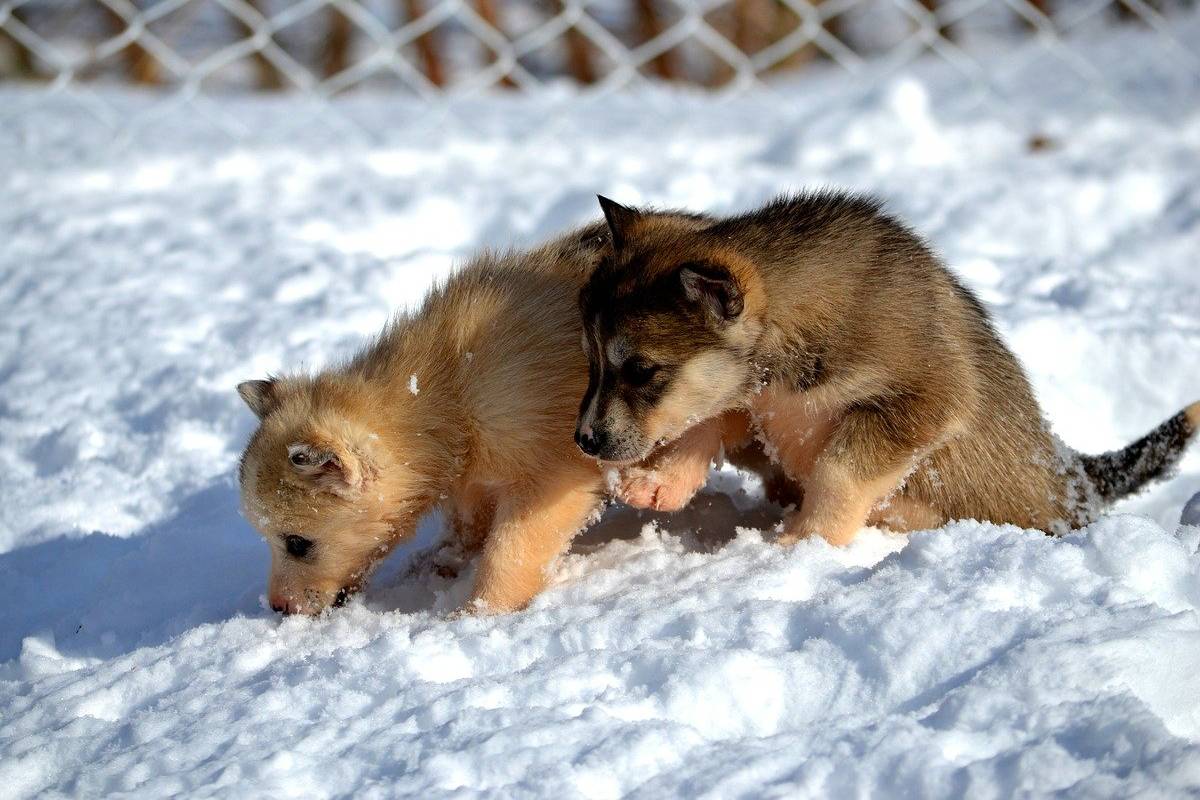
x,y
135,652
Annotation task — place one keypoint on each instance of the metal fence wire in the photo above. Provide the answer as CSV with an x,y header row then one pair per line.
x,y
435,49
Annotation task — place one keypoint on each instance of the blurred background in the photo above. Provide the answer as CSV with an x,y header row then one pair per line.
x,y
435,49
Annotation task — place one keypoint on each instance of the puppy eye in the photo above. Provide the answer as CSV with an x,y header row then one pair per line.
x,y
299,458
637,372
297,546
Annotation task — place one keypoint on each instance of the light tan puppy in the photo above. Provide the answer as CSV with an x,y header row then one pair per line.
x,y
876,379
468,404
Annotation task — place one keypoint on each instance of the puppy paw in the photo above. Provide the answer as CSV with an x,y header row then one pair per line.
x,y
637,487
666,488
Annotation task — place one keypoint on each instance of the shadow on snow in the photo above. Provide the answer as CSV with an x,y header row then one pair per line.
x,y
101,595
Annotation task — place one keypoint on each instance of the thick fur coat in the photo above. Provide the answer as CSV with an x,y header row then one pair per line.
x,y
875,378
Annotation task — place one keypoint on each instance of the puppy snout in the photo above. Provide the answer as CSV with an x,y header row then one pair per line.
x,y
590,440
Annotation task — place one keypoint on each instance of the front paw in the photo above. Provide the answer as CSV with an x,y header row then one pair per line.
x,y
662,489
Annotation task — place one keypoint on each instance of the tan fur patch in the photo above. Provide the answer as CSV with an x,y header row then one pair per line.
x,y
797,426
900,514
1193,416
705,386
837,504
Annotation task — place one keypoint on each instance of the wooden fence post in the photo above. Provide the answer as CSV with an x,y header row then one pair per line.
x,y
579,57
24,65
488,13
141,66
649,25
269,76
427,47
337,43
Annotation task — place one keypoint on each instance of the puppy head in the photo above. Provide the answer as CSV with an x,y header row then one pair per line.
x,y
322,490
670,319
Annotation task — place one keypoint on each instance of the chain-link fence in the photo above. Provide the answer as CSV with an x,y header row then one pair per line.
x,y
192,50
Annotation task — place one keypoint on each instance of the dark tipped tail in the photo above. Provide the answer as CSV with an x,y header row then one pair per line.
x,y
1122,472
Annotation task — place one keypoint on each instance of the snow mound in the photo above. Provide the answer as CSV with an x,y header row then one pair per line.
x,y
970,659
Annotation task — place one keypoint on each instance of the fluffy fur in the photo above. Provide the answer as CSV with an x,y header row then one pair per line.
x,y
875,378
468,404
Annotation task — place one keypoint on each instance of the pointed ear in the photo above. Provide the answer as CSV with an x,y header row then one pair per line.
x,y
330,466
261,396
619,218
714,288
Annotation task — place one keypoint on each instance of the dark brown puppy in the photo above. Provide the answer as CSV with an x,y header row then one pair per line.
x,y
874,377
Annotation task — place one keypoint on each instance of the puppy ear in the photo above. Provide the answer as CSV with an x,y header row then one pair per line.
x,y
331,467
619,218
261,396
714,288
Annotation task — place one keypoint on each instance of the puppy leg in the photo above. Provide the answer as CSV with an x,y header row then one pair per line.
x,y
531,529
869,452
901,514
470,514
670,477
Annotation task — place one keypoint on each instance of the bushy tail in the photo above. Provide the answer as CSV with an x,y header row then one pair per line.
x,y
1122,472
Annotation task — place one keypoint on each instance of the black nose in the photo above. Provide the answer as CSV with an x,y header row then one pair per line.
x,y
591,442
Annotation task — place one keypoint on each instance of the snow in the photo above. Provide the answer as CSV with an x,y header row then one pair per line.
x,y
1191,512
672,656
